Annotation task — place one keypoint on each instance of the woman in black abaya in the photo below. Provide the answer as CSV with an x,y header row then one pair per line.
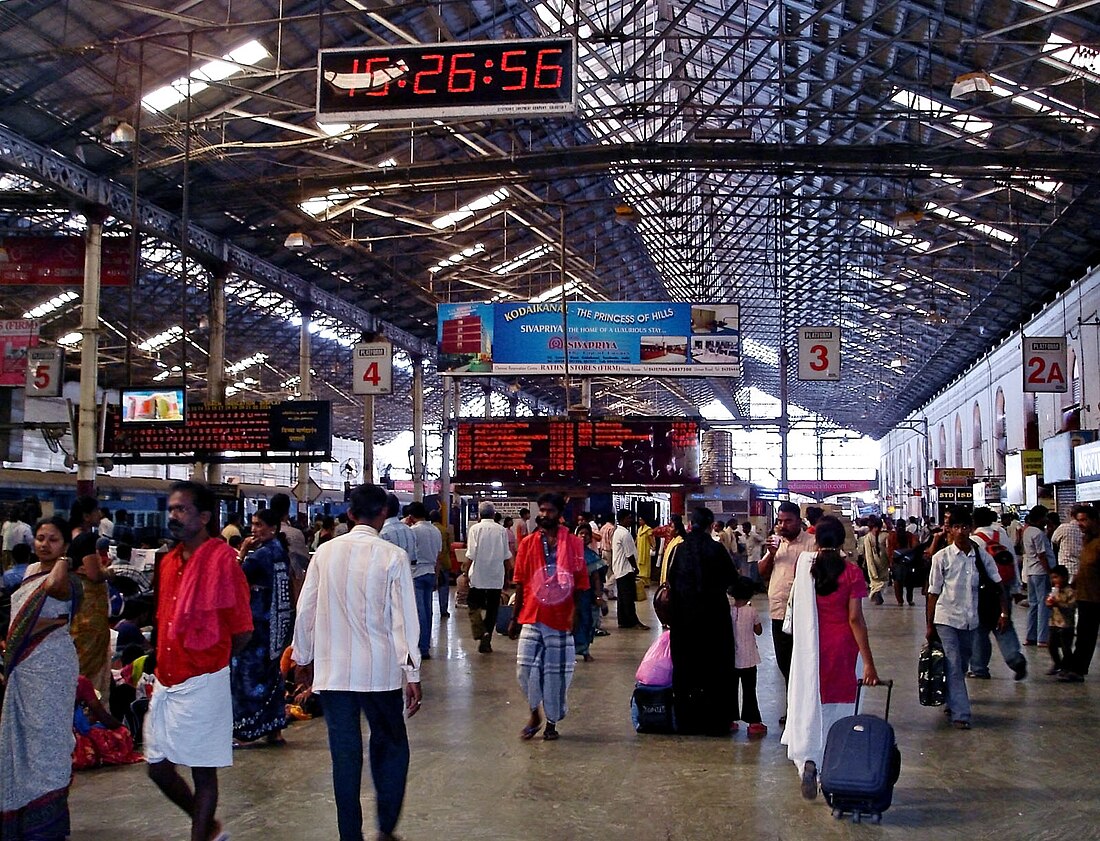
x,y
701,638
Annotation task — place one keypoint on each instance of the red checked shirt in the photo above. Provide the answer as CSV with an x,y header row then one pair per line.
x,y
176,664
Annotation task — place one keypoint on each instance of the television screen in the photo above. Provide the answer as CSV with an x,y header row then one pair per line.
x,y
152,405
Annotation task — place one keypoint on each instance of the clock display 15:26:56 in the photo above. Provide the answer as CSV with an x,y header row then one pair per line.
x,y
436,73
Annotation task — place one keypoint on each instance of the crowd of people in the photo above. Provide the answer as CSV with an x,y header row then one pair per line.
x,y
250,624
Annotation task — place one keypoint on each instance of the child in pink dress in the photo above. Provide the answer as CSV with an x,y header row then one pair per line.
x,y
746,628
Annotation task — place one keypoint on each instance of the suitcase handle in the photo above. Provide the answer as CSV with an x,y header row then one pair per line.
x,y
889,684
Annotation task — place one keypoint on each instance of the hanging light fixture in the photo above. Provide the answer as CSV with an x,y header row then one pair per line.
x,y
123,135
970,84
298,241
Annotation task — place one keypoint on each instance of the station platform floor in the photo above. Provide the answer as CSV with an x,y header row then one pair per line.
x,y
1027,769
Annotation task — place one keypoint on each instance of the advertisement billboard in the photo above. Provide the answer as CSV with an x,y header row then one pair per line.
x,y
664,339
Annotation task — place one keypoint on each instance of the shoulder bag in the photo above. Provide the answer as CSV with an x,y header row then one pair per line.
x,y
989,595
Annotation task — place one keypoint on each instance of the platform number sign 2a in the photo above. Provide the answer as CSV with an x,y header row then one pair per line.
x,y
1045,364
819,353
372,368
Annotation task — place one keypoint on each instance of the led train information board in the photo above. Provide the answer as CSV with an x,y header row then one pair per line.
x,y
566,451
295,427
658,339
461,79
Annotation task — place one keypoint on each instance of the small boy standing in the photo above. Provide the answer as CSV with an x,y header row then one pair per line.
x,y
746,628
1063,603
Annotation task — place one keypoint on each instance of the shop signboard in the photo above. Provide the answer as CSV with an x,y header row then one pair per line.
x,y
953,477
1086,464
666,339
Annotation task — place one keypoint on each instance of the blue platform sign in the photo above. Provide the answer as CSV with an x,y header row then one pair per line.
x,y
661,339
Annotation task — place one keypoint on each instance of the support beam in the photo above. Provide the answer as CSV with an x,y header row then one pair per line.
x,y
305,387
87,428
418,428
215,366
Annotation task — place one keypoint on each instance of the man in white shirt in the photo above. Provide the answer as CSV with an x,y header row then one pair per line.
x,y
1038,559
487,550
355,641
624,564
106,524
429,542
952,607
778,565
342,526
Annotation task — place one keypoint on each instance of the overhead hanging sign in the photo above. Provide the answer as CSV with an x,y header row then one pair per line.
x,y
45,366
661,339
16,336
59,261
1045,364
509,78
372,368
819,353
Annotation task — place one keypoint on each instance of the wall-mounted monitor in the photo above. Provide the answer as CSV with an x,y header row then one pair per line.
x,y
155,406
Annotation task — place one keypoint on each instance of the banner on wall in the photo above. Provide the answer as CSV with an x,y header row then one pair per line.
x,y
16,336
664,339
59,261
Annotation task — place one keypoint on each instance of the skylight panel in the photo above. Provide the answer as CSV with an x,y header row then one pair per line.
x,y
1081,58
162,340
455,259
523,259
69,340
890,231
760,352
970,222
230,64
966,125
1039,102
471,208
555,292
53,304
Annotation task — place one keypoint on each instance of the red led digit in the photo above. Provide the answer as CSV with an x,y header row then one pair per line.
x,y
459,73
438,59
547,75
372,65
521,70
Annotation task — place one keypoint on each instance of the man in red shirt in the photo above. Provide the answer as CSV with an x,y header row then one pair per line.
x,y
550,573
203,617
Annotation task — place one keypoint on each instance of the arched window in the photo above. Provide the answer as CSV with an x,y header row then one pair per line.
x,y
941,447
1031,422
914,466
958,441
1068,397
977,456
1000,434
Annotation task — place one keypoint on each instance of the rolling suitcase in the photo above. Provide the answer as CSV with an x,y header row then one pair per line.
x,y
861,763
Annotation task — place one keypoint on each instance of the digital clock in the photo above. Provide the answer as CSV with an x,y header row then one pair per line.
x,y
460,79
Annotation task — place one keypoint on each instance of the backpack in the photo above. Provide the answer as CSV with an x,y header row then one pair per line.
x,y
1005,560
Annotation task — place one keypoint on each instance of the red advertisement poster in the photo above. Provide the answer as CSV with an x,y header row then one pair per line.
x,y
59,261
16,335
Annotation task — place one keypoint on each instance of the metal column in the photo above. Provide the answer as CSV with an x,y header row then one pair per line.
x,y
368,439
418,429
305,387
445,460
215,366
87,428
488,392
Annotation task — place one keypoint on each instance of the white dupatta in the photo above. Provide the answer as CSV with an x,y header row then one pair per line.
x,y
803,734
808,720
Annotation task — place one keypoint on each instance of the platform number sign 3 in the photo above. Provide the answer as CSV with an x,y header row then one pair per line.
x,y
1045,364
818,353
372,368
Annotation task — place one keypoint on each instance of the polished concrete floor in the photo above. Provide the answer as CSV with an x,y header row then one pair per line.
x,y
1030,768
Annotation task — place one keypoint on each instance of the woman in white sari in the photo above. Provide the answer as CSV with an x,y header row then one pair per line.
x,y
830,638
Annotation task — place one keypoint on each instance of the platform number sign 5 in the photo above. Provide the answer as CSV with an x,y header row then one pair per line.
x,y
818,353
372,368
1045,364
44,371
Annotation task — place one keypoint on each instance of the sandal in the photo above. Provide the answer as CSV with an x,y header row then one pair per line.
x,y
551,735
528,732
276,743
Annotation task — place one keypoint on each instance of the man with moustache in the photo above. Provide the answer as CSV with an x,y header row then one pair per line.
x,y
778,564
550,571
203,617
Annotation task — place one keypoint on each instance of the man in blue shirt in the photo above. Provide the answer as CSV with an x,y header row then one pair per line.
x,y
429,542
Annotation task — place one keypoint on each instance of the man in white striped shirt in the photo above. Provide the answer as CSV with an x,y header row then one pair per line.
x,y
356,642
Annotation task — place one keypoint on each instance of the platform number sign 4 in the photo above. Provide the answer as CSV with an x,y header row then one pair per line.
x,y
818,353
1045,364
372,368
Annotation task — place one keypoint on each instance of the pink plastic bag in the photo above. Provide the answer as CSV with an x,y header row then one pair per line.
x,y
656,666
